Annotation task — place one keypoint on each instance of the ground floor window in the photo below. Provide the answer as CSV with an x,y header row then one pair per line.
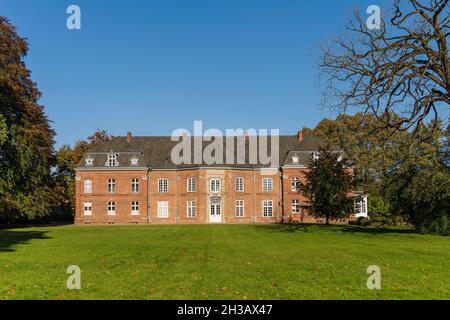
x,y
295,206
191,209
239,208
111,208
267,208
163,209
135,208
88,209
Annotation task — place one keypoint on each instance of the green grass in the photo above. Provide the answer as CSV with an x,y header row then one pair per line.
x,y
222,262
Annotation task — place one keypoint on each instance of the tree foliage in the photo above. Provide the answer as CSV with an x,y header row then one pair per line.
x,y
402,69
67,159
328,187
26,138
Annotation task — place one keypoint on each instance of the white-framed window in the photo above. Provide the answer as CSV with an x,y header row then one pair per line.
x,y
111,185
163,185
215,185
191,185
111,208
239,184
267,184
88,208
163,209
88,186
239,208
191,209
267,206
295,206
112,160
135,185
315,155
295,184
134,208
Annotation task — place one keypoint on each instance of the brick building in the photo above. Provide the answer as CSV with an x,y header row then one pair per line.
x,y
133,180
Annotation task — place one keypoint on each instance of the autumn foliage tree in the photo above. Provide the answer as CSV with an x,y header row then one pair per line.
x,y
26,138
67,159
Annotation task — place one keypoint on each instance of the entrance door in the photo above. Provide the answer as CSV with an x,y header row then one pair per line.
x,y
215,213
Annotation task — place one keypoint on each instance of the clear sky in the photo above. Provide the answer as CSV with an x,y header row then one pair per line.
x,y
150,67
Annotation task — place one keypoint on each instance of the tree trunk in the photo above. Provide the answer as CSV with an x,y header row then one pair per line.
x,y
328,221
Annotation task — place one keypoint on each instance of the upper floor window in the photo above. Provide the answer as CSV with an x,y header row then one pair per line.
x,y
112,160
89,161
135,208
215,185
88,186
191,185
111,208
295,184
239,208
267,184
191,209
295,206
135,185
267,208
111,185
134,161
239,184
163,185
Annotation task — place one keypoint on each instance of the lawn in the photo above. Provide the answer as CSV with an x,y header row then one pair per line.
x,y
222,262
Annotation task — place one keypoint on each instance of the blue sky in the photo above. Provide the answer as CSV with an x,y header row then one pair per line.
x,y
153,66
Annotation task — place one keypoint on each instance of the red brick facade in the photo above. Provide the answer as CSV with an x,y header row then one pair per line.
x,y
177,196
138,183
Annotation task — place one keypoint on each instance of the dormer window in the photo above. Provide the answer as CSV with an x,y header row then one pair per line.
x,y
112,160
89,161
295,160
315,156
134,161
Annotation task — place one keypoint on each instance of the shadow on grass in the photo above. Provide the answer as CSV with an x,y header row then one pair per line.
x,y
9,239
314,228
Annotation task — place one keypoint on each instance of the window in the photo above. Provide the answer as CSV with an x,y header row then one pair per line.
x,y
239,184
295,206
163,209
239,208
295,184
134,162
191,209
89,161
135,208
267,208
315,156
191,185
111,185
111,208
267,184
112,160
361,205
163,185
88,209
135,185
88,186
215,185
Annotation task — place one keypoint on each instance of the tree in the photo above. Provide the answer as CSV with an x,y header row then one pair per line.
x,y
67,159
402,69
372,150
26,138
328,187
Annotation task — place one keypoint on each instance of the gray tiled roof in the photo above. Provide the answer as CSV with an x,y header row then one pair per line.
x,y
155,152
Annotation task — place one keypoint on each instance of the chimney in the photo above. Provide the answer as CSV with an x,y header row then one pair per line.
x,y
300,136
129,137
